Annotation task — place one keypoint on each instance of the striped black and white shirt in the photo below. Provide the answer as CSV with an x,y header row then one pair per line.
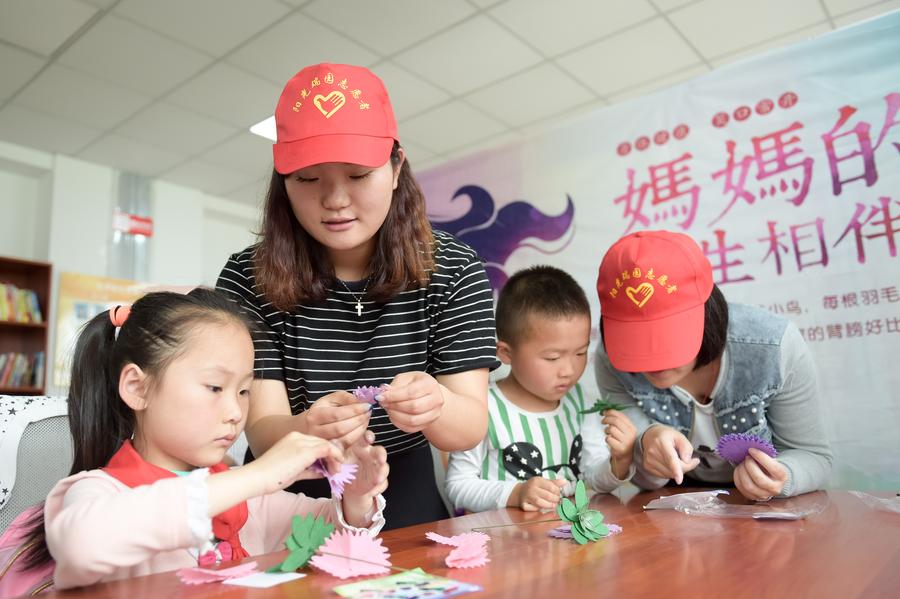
x,y
444,328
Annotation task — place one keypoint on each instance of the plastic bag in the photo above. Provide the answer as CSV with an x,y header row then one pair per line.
x,y
705,503
890,504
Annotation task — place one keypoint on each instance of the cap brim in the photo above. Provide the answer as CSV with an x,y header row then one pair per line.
x,y
651,346
352,149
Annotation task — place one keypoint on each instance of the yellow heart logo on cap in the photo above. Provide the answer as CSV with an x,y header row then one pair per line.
x,y
640,294
335,98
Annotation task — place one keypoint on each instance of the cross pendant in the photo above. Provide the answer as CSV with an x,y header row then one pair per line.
x,y
358,308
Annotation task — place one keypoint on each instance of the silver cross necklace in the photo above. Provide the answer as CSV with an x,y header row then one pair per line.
x,y
359,306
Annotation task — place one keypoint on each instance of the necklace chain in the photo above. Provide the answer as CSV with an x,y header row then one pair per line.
x,y
359,306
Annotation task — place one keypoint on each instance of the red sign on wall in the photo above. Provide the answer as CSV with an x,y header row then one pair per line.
x,y
132,224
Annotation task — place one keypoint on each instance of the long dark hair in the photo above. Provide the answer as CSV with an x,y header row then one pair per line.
x,y
292,267
156,332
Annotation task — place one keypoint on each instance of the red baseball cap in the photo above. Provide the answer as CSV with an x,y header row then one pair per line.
x,y
333,113
653,286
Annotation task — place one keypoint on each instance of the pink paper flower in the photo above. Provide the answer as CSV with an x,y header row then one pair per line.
x,y
203,576
457,540
367,394
368,555
470,554
338,480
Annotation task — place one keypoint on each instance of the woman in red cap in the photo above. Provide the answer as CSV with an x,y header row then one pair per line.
x,y
349,286
693,368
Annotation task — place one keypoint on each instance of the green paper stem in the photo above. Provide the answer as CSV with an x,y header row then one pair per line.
x,y
516,524
601,405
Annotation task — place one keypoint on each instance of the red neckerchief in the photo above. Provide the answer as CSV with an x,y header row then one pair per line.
x,y
131,469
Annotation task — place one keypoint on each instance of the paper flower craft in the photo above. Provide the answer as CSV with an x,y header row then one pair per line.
x,y
352,553
338,480
601,405
203,576
734,447
587,525
458,540
307,535
368,394
565,531
469,551
470,554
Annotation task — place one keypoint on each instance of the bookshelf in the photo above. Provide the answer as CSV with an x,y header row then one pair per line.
x,y
27,339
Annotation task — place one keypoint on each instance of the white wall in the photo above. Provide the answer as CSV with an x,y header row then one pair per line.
x,y
59,209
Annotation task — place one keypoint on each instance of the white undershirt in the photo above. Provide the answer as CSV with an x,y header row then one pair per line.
x,y
704,431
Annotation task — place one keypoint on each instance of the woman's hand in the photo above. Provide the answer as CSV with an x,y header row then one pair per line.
x,y
288,460
371,480
760,477
338,416
413,401
667,453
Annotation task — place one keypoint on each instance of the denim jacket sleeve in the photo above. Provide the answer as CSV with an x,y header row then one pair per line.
x,y
796,420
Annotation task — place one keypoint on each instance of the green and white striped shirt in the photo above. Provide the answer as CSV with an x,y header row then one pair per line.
x,y
518,446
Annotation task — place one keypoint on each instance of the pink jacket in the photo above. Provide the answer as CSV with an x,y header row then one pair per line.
x,y
146,530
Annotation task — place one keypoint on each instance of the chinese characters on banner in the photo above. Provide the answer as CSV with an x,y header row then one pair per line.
x,y
784,168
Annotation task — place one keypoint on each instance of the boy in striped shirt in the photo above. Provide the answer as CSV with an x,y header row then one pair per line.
x,y
531,455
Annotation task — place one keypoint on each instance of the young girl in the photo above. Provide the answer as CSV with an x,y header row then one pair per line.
x,y
693,367
156,399
350,286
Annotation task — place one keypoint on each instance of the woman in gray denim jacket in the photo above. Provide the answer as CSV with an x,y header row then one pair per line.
x,y
690,367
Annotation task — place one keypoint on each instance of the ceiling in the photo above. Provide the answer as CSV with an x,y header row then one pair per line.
x,y
169,88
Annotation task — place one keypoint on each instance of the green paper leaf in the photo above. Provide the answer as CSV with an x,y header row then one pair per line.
x,y
567,510
296,560
592,522
601,405
578,536
581,499
310,533
291,543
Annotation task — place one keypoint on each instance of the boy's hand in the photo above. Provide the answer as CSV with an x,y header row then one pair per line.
x,y
371,479
620,436
537,493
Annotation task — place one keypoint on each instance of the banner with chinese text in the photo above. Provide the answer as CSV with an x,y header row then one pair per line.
x,y
785,168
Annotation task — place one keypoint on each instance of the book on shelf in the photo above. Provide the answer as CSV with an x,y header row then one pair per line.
x,y
21,370
19,305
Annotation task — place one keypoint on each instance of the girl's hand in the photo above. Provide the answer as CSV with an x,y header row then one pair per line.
x,y
667,453
413,401
371,479
287,461
760,477
339,416
537,493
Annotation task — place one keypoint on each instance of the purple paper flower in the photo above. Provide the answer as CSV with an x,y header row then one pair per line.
x,y
367,394
565,531
336,481
734,447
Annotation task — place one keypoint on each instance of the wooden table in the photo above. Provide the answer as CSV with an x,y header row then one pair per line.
x,y
848,550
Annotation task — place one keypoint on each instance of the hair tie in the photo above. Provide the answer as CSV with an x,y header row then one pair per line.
x,y
119,315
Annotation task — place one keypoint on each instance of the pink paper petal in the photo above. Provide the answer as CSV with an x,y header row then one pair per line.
x,y
204,576
352,544
336,481
367,394
457,540
470,554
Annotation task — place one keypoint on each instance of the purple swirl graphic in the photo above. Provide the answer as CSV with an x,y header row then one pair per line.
x,y
496,234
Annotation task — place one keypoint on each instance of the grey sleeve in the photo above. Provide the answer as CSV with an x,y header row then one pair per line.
x,y
613,390
796,420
